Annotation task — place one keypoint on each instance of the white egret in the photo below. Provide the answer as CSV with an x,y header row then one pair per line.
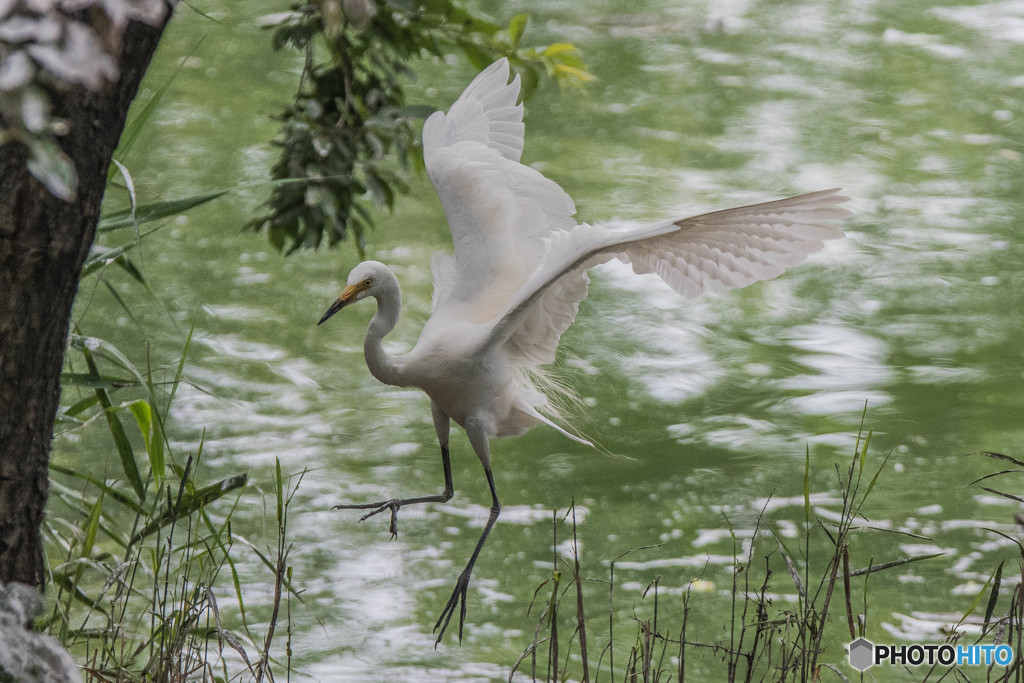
x,y
518,275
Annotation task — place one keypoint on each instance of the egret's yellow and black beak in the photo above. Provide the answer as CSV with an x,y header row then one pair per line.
x,y
344,300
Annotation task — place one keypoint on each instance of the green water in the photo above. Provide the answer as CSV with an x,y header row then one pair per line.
x,y
915,109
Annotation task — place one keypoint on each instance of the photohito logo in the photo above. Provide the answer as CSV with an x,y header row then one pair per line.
x,y
864,654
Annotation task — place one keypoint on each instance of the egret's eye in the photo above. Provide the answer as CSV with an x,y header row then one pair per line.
x,y
368,281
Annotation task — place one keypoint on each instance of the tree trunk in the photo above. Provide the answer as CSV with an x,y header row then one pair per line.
x,y
43,243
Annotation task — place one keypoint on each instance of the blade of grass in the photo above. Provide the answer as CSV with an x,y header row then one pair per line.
x,y
64,582
152,436
104,488
856,447
1009,496
807,486
155,211
121,302
270,564
121,442
181,366
1000,456
132,199
895,563
105,349
189,503
993,597
92,381
995,474
1016,542
279,485
139,121
82,405
871,485
977,598
101,256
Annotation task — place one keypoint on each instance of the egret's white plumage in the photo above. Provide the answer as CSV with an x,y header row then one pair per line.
x,y
518,274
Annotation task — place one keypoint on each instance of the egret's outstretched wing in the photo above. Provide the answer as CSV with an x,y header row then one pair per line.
x,y
712,252
498,210
733,248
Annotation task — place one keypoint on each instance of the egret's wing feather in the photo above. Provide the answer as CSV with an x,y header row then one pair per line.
x,y
497,209
486,113
442,267
535,341
711,252
724,250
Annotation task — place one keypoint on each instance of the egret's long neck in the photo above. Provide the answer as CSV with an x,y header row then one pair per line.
x,y
382,365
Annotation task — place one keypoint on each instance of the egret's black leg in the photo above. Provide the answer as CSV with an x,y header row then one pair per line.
x,y
395,503
458,597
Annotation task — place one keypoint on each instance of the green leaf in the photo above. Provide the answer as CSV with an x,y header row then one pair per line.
x,y
120,300
124,446
100,257
65,419
155,211
270,564
1020,546
1000,456
84,404
138,122
977,598
1009,496
92,527
559,49
864,451
152,434
181,366
516,27
238,590
93,381
131,269
102,486
64,582
133,200
874,479
990,608
573,75
105,349
190,502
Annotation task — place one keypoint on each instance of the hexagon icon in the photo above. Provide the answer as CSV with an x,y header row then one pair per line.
x,y
862,653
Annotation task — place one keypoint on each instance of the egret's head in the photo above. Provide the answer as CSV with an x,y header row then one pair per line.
x,y
365,280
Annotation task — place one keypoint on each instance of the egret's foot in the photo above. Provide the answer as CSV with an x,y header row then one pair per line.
x,y
458,599
377,508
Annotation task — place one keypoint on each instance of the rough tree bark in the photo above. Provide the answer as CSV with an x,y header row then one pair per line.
x,y
43,244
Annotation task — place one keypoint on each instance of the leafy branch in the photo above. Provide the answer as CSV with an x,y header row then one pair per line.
x,y
350,121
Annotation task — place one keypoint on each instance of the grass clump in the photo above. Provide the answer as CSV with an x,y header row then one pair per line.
x,y
794,605
134,561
